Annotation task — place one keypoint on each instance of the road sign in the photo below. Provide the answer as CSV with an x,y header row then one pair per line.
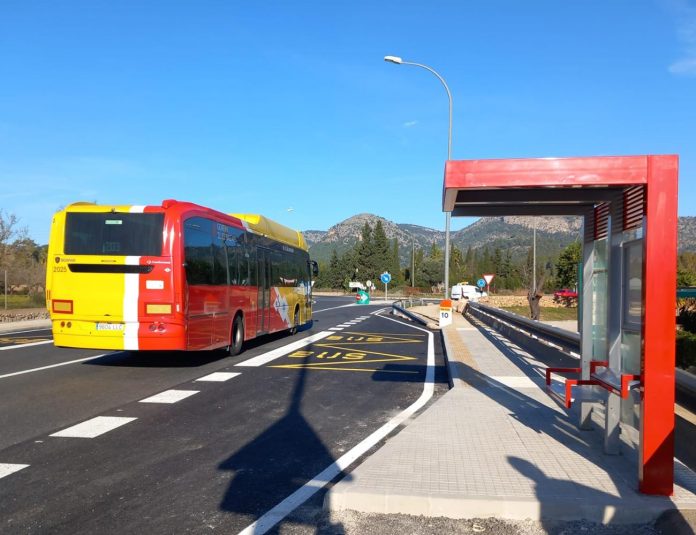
x,y
480,283
385,277
488,278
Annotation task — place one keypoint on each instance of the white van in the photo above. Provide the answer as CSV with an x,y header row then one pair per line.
x,y
466,291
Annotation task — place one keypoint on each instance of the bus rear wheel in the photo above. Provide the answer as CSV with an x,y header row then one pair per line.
x,y
295,322
237,336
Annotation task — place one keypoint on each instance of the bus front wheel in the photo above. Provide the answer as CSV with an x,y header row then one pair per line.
x,y
237,336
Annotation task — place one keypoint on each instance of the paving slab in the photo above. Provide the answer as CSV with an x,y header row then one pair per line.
x,y
496,445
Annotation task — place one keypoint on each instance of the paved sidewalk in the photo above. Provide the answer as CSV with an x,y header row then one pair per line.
x,y
497,446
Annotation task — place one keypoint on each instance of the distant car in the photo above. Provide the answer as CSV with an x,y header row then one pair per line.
x,y
565,293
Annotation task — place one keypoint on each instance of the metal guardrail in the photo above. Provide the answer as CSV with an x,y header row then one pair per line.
x,y
552,334
555,336
399,308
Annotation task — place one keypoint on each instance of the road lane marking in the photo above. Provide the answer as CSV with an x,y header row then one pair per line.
x,y
336,329
333,308
218,376
5,348
56,365
6,469
169,396
304,493
94,427
27,331
265,358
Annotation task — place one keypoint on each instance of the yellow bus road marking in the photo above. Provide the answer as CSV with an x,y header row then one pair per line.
x,y
344,360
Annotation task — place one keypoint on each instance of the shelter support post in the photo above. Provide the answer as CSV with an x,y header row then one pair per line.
x,y
585,320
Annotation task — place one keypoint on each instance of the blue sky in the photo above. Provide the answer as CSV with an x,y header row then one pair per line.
x,y
267,107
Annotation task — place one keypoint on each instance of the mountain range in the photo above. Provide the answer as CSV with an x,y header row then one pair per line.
x,y
509,232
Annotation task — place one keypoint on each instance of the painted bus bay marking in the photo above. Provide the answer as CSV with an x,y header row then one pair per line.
x,y
94,427
339,353
269,519
269,356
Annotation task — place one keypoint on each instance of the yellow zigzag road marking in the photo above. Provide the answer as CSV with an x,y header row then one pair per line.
x,y
325,367
383,335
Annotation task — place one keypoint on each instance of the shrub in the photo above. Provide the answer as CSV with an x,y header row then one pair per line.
x,y
686,349
687,319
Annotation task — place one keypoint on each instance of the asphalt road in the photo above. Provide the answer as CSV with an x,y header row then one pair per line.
x,y
212,455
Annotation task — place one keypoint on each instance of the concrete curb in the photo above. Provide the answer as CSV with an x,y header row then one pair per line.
x,y
512,508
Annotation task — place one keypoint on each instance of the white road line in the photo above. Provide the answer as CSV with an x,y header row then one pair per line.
x,y
28,331
7,469
169,396
301,495
265,358
333,308
335,329
377,312
344,325
94,427
55,365
218,376
27,345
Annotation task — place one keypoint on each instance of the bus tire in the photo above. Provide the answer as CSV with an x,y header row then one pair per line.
x,y
237,340
295,321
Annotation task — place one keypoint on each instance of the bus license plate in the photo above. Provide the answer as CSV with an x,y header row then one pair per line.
x,y
109,326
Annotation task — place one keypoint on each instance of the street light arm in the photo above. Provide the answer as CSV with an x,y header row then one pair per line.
x,y
449,96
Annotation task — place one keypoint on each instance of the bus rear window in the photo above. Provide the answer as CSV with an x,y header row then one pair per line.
x,y
117,234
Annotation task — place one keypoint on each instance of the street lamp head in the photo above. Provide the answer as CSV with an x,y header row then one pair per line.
x,y
393,59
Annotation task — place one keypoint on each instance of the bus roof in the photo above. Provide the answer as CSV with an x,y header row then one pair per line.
x,y
254,222
267,227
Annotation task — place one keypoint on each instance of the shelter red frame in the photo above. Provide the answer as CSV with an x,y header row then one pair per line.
x,y
569,186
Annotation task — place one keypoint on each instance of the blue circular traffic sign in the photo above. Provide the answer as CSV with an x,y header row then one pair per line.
x,y
385,278
480,283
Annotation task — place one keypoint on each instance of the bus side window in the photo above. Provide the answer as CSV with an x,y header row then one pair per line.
x,y
234,262
219,262
198,254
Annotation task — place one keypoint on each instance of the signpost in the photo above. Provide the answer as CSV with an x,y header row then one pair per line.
x,y
386,279
445,312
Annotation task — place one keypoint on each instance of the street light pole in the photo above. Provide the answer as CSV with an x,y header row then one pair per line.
x,y
448,215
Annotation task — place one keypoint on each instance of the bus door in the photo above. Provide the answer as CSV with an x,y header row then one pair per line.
x,y
263,318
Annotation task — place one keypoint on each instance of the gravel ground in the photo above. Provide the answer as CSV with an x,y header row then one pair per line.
x,y
312,519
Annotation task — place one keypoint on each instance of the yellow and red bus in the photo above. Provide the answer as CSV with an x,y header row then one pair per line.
x,y
173,277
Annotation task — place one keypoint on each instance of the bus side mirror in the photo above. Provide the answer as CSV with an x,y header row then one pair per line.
x,y
315,267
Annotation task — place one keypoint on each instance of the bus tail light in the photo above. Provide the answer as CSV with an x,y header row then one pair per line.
x,y
61,306
158,308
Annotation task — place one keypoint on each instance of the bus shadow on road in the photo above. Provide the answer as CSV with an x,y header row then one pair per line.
x,y
276,467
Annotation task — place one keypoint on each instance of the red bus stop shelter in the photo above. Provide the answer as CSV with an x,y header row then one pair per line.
x,y
629,210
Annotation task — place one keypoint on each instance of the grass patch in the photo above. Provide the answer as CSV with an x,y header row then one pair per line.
x,y
547,313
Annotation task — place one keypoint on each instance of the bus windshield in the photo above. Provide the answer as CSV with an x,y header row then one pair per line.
x,y
117,234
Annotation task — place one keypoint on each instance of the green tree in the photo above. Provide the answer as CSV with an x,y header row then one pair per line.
x,y
567,266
